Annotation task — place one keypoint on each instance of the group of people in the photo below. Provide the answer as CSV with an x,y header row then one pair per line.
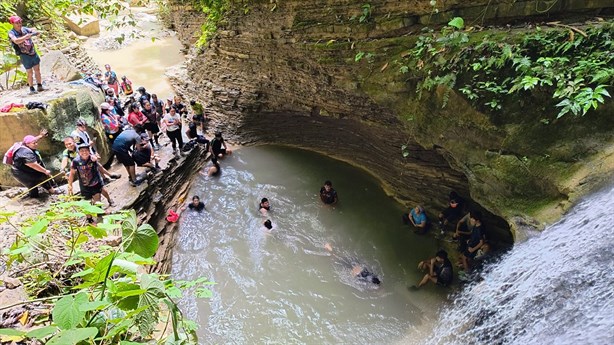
x,y
468,231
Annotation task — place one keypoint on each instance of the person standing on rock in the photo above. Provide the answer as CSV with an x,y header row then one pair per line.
x,y
111,79
173,129
144,95
21,39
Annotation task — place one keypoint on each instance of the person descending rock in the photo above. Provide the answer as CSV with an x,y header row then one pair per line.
x,y
328,195
123,145
144,156
71,153
218,146
264,206
28,167
21,39
90,181
126,86
440,270
111,79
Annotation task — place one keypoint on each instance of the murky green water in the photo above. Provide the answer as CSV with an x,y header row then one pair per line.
x,y
284,288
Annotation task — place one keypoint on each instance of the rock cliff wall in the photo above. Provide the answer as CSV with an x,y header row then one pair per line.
x,y
285,72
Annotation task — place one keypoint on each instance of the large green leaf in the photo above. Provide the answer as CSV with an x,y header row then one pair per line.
x,y
42,332
73,336
457,22
37,228
9,331
142,240
94,305
66,313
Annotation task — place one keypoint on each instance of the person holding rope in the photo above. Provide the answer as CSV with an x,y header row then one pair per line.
x,y
28,167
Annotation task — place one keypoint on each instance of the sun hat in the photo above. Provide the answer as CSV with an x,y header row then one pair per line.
x,y
14,19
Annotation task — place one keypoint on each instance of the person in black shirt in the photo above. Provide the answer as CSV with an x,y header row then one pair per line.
x,y
196,204
145,96
218,146
327,194
453,212
358,270
440,270
476,240
28,167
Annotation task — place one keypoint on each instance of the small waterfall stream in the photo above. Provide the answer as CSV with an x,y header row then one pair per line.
x,y
556,288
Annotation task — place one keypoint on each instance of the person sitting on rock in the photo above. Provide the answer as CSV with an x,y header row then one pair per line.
x,y
453,212
144,156
123,145
218,146
28,167
417,218
328,194
440,270
264,207
90,182
470,248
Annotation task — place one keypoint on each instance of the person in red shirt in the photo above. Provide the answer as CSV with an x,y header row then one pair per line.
x,y
136,117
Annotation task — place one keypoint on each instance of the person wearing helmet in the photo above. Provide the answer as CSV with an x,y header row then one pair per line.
x,y
85,169
21,39
126,86
111,79
145,96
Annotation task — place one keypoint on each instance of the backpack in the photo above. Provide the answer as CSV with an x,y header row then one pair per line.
x,y
10,153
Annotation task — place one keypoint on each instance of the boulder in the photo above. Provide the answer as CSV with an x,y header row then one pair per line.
x,y
55,63
59,119
82,25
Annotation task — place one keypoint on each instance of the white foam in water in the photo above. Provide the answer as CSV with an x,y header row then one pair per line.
x,y
557,288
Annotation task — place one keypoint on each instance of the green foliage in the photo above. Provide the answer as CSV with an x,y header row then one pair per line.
x,y
365,14
214,10
575,69
8,60
101,292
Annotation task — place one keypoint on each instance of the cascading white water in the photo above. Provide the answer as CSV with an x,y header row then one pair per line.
x,y
557,288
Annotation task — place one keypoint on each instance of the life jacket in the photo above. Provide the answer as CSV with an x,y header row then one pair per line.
x,y
127,87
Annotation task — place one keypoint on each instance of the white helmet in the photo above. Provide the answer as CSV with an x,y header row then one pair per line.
x,y
105,106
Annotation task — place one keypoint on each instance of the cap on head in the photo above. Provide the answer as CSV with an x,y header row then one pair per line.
x,y
28,139
83,146
15,19
105,106
110,92
81,122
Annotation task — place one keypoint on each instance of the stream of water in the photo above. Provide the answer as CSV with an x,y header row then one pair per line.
x,y
556,288
283,287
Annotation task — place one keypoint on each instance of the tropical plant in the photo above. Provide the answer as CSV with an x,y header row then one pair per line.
x,y
99,294
572,65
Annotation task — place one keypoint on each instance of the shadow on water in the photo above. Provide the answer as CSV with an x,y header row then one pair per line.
x,y
284,287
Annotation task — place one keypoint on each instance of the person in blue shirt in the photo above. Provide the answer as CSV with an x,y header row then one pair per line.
x,y
417,218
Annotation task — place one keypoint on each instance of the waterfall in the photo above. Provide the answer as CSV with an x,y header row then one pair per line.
x,y
555,288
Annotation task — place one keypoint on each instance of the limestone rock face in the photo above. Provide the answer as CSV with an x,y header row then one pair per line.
x,y
285,72
59,119
55,63
83,25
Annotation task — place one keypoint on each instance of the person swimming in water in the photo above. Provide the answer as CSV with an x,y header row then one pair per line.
x,y
359,271
264,207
